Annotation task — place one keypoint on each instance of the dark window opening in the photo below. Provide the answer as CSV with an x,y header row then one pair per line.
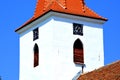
x,y
36,55
35,34
77,29
78,52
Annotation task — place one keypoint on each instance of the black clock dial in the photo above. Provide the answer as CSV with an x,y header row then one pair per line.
x,y
77,29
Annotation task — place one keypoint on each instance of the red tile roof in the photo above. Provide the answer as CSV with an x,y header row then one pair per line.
x,y
74,7
109,72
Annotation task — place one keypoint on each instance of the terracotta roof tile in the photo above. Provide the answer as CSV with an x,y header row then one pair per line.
x,y
109,72
74,7
68,6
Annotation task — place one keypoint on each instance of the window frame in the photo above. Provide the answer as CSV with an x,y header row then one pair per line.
x,y
78,52
36,55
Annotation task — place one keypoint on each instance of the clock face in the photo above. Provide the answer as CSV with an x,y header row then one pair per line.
x,y
77,29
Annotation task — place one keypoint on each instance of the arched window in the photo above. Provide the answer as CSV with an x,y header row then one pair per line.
x,y
36,55
78,52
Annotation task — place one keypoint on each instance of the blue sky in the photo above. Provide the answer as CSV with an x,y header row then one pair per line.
x,y
13,13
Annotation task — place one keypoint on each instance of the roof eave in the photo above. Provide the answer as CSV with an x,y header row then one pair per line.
x,y
33,18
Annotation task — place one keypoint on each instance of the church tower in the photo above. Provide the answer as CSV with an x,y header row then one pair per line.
x,y
62,39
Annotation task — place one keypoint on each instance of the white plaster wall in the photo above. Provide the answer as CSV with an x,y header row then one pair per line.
x,y
27,71
63,49
26,56
93,47
55,43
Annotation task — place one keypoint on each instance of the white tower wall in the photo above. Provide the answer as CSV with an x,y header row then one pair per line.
x,y
55,43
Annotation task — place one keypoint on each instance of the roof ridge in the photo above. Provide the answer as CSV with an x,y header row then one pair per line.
x,y
47,6
64,5
83,7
